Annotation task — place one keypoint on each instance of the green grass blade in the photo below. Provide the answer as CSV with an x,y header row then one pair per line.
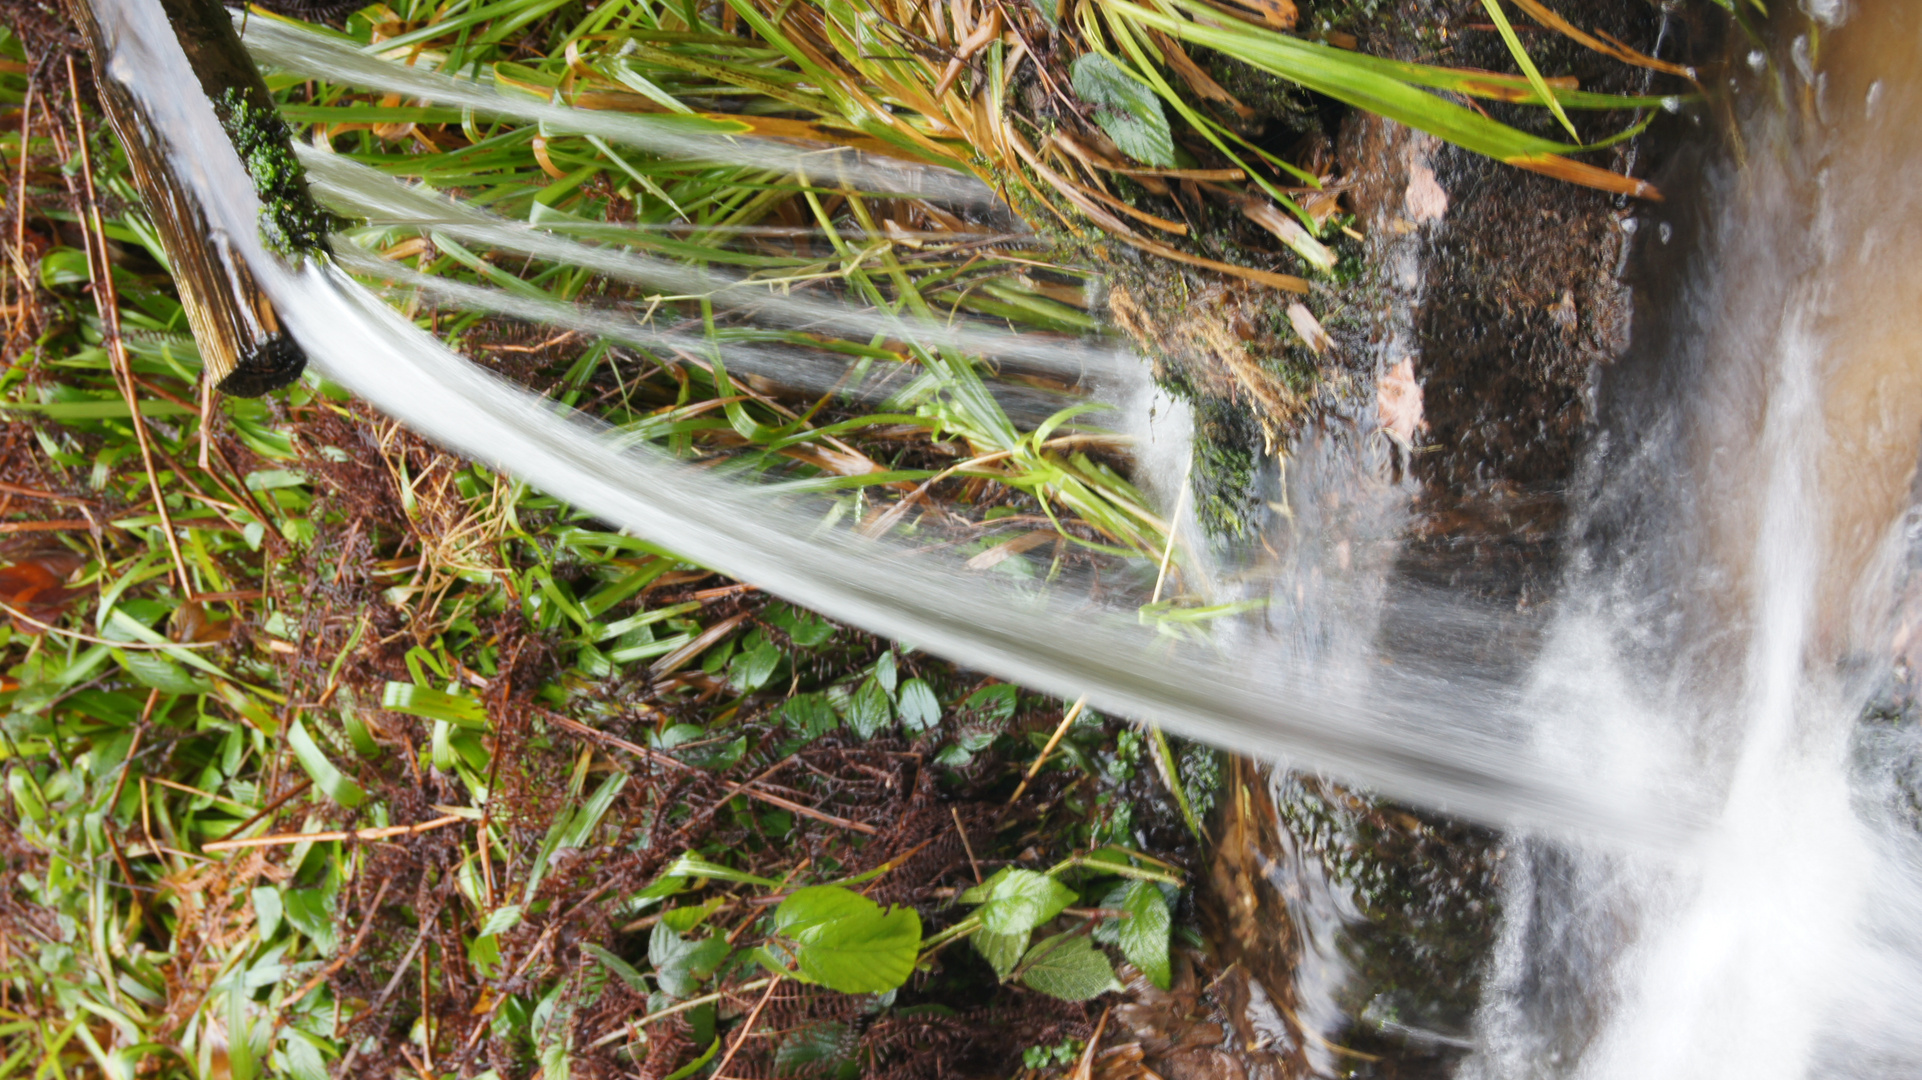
x,y
1527,63
1354,81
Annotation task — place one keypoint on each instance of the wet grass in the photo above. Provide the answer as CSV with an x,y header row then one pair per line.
x,y
327,751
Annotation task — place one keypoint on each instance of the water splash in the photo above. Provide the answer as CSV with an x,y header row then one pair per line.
x,y
1729,622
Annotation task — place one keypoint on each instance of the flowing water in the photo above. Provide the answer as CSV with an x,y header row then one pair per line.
x,y
1721,876
1727,618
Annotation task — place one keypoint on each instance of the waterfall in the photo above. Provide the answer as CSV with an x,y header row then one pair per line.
x,y
1727,621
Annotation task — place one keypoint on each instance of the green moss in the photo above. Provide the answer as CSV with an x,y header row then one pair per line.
x,y
1227,454
290,221
1200,767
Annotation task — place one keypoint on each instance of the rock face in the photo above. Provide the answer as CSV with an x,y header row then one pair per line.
x,y
1488,300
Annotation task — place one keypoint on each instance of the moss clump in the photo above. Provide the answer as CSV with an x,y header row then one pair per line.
x,y
290,221
1227,455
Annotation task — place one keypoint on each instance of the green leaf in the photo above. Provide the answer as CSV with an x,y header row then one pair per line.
x,y
621,968
884,671
919,708
1144,934
1016,901
152,669
501,920
1527,63
267,911
680,964
1392,89
337,786
310,911
846,941
751,669
1002,951
1126,108
1069,967
589,816
818,1049
868,710
688,866
304,1060
697,1064
993,704
425,701
805,628
810,715
26,795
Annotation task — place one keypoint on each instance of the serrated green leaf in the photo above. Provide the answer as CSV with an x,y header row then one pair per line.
x,y
1069,967
304,1060
846,942
750,670
810,716
919,708
680,964
818,1049
336,785
1126,108
868,710
993,704
1002,951
1143,936
1016,901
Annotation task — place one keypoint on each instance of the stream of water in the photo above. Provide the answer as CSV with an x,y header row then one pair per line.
x,y
1720,632
1727,619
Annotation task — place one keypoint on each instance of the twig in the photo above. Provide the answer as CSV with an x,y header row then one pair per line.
x,y
278,802
107,301
965,846
56,525
281,839
36,493
360,938
1054,740
1174,529
747,1028
751,788
690,1003
1084,1069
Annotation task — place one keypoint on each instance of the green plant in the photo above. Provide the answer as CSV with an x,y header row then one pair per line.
x,y
1397,90
1059,1055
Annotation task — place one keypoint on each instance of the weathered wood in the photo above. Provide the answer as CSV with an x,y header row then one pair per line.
x,y
246,351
